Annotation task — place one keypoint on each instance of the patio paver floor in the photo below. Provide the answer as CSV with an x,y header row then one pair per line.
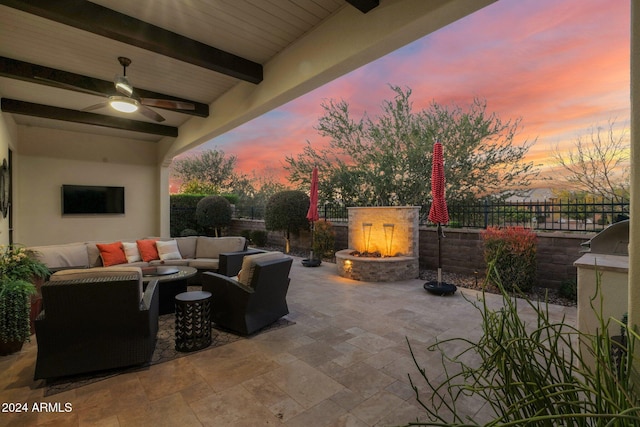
x,y
344,363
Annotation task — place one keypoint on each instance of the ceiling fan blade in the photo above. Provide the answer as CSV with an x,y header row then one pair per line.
x,y
96,106
71,87
148,112
168,104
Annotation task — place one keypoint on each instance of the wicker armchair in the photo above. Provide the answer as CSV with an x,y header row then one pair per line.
x,y
247,307
95,323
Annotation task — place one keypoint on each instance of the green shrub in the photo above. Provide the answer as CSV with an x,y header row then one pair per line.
x,y
183,209
213,213
323,239
259,238
569,289
246,234
188,232
513,250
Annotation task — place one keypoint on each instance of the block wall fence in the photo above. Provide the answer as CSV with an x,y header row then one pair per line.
x,y
461,249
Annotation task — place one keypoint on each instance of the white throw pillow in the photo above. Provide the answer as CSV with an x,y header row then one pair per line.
x,y
131,252
168,250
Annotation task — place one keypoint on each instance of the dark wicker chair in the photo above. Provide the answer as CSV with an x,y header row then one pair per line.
x,y
247,309
94,324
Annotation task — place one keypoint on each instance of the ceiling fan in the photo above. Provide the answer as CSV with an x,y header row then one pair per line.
x,y
127,101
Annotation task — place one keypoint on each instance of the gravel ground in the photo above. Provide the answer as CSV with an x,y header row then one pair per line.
x,y
467,281
471,282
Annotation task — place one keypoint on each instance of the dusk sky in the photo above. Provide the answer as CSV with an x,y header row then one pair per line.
x,y
560,65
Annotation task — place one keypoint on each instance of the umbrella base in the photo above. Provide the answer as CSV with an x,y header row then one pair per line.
x,y
442,288
311,262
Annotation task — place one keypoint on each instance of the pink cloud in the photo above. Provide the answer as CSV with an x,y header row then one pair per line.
x,y
562,66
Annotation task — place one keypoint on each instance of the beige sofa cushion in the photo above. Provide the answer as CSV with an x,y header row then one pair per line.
x,y
88,273
249,265
187,246
212,247
205,263
57,256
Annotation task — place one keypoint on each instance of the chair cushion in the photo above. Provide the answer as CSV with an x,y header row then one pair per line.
x,y
212,247
245,276
168,249
131,251
112,253
148,250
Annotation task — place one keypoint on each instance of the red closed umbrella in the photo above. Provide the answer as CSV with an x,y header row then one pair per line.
x,y
312,215
438,212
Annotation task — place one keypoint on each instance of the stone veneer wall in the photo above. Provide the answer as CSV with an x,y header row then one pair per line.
x,y
461,249
406,233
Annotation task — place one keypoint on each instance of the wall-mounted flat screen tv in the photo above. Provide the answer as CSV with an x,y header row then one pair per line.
x,y
92,199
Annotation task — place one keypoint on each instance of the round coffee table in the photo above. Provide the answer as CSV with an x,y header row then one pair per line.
x,y
172,280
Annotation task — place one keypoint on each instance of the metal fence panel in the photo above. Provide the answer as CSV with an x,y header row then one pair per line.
x,y
554,214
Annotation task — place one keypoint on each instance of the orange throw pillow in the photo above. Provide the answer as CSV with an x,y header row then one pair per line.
x,y
112,253
148,250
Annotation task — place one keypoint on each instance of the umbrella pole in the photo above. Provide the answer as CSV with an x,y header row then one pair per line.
x,y
311,257
439,254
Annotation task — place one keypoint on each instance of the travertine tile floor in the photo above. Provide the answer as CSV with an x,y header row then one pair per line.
x,y
344,363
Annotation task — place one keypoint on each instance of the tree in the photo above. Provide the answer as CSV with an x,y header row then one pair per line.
x,y
387,160
287,211
598,163
213,212
211,170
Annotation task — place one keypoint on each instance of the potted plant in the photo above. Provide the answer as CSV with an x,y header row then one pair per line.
x,y
18,268
323,241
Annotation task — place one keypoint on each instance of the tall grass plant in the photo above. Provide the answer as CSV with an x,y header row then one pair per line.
x,y
543,374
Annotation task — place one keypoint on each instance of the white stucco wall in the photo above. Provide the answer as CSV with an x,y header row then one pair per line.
x,y
49,158
8,136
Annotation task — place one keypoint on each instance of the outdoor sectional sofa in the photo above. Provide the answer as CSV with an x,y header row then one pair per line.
x,y
218,254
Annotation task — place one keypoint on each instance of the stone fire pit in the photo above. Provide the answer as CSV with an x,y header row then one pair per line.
x,y
376,269
392,232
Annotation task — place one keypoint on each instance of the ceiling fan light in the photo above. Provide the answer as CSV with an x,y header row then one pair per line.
x,y
123,86
124,105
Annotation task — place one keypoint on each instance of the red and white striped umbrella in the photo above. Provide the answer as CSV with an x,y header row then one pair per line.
x,y
438,212
312,213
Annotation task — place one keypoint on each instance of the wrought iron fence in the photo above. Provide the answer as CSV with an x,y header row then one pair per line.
x,y
553,214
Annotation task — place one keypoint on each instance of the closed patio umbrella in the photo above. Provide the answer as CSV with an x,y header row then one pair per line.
x,y
438,213
312,214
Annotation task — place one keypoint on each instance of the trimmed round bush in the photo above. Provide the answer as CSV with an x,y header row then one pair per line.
x,y
287,211
213,213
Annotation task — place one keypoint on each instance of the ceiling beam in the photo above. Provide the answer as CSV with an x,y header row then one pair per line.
x,y
364,6
56,113
108,23
39,74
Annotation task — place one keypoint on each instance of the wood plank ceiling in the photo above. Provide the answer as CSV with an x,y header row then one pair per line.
x,y
192,51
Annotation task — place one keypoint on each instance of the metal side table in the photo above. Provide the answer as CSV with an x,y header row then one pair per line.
x,y
193,321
